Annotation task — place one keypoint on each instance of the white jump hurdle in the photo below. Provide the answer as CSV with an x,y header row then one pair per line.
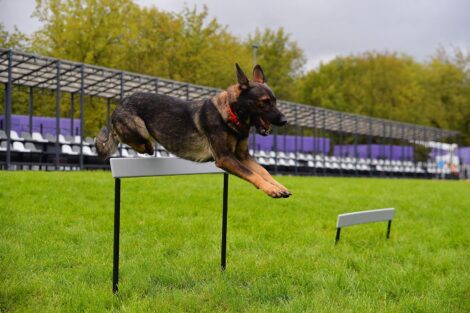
x,y
144,167
362,217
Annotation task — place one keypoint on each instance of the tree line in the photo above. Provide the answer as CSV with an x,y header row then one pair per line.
x,y
192,46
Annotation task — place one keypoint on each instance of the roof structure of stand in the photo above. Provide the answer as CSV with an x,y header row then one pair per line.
x,y
48,73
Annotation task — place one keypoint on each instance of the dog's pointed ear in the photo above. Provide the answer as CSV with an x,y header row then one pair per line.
x,y
258,75
241,77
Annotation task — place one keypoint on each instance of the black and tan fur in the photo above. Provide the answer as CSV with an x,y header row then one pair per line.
x,y
201,130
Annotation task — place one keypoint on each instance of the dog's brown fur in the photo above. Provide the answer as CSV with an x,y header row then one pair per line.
x,y
214,129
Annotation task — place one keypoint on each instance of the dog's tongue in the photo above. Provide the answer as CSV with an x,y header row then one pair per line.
x,y
265,127
264,124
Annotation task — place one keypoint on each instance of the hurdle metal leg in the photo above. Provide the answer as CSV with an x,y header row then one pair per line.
x,y
117,215
388,228
338,232
224,223
117,218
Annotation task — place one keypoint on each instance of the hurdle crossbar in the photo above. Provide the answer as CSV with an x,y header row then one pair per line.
x,y
362,217
145,167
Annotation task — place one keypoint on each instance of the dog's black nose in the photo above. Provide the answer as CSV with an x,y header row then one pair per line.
x,y
282,120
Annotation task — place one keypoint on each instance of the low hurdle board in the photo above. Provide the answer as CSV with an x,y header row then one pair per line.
x,y
362,217
145,167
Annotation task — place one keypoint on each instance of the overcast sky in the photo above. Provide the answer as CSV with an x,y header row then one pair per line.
x,y
322,28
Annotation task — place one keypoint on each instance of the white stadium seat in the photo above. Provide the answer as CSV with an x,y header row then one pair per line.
x,y
282,162
14,136
18,146
32,147
38,137
66,149
262,161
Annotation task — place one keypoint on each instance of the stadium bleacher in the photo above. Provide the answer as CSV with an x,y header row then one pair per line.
x,y
35,151
345,166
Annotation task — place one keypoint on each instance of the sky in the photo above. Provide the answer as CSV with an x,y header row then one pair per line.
x,y
324,29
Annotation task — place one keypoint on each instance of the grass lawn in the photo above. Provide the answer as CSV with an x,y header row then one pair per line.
x,y
56,245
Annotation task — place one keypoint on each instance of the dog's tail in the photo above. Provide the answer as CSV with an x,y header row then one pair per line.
x,y
106,143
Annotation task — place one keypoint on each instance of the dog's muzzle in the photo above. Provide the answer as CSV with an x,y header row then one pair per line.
x,y
263,125
281,120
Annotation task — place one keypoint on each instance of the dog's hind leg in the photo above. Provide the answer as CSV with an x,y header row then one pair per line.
x,y
147,147
131,130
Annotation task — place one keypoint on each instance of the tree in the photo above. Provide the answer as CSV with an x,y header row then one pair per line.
x,y
281,58
392,86
16,40
189,47
208,51
380,85
447,84
89,31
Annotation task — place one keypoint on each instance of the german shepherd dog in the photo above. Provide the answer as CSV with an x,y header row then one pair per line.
x,y
214,129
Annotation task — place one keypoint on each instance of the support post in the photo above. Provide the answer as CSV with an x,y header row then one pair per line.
x,y
82,112
315,138
340,143
275,149
402,142
8,107
414,151
121,97
355,144
224,223
117,221
391,133
323,140
284,140
389,227
72,114
57,116
5,99
369,148
338,232
296,136
30,110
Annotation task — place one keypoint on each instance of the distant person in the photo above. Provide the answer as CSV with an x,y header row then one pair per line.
x,y
440,167
454,170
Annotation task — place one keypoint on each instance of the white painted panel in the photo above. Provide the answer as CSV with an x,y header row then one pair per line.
x,y
139,167
362,217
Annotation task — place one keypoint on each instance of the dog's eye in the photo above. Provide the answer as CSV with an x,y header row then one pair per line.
x,y
266,101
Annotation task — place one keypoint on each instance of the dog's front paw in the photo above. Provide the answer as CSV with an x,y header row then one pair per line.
x,y
276,192
284,192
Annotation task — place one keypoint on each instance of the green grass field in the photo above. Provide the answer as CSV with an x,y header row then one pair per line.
x,y
56,245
